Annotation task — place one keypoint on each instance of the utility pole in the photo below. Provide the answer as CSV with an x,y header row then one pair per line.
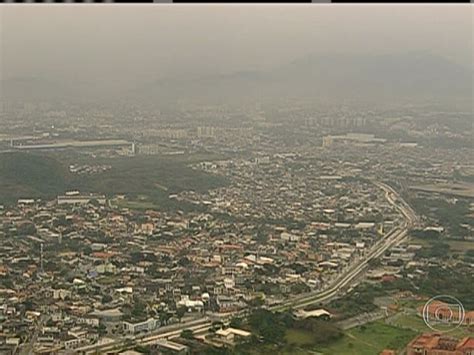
x,y
41,257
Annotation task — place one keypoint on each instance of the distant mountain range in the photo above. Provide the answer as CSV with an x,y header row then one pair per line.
x,y
41,89
409,75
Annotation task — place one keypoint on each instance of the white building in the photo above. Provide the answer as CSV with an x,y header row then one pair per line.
x,y
190,304
80,199
147,325
230,334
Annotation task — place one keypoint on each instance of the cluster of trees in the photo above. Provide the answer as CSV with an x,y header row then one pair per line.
x,y
61,221
428,234
272,327
469,256
449,215
323,332
269,326
447,142
44,176
138,256
26,228
457,175
187,334
359,301
28,174
139,308
437,249
456,281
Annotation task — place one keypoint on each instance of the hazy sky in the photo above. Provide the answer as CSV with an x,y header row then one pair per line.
x,y
128,43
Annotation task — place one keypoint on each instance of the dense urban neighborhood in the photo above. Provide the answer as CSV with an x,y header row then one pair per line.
x,y
172,239
236,179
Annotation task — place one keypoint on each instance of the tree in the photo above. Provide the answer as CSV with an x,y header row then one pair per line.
x,y
323,332
268,325
184,261
8,282
287,319
217,351
235,322
29,305
106,298
60,221
187,334
102,329
139,309
94,202
256,302
26,228
180,312
374,263
164,317
216,325
143,349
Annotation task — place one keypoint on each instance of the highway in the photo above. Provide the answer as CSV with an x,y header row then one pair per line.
x,y
174,334
394,237
347,279
166,332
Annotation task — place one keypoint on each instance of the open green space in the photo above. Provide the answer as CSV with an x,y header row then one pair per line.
x,y
416,323
298,337
367,339
31,176
370,339
458,246
136,205
28,175
149,175
450,215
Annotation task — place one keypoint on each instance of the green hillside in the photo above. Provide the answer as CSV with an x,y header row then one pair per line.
x,y
29,175
147,174
25,175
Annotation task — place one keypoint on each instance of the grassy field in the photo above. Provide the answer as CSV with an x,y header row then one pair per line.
x,y
370,340
298,337
457,246
415,323
136,205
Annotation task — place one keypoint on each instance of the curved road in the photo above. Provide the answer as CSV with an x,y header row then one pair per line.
x,y
394,237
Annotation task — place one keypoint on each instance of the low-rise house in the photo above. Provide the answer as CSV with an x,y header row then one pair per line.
x,y
440,344
302,314
141,326
231,334
170,347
